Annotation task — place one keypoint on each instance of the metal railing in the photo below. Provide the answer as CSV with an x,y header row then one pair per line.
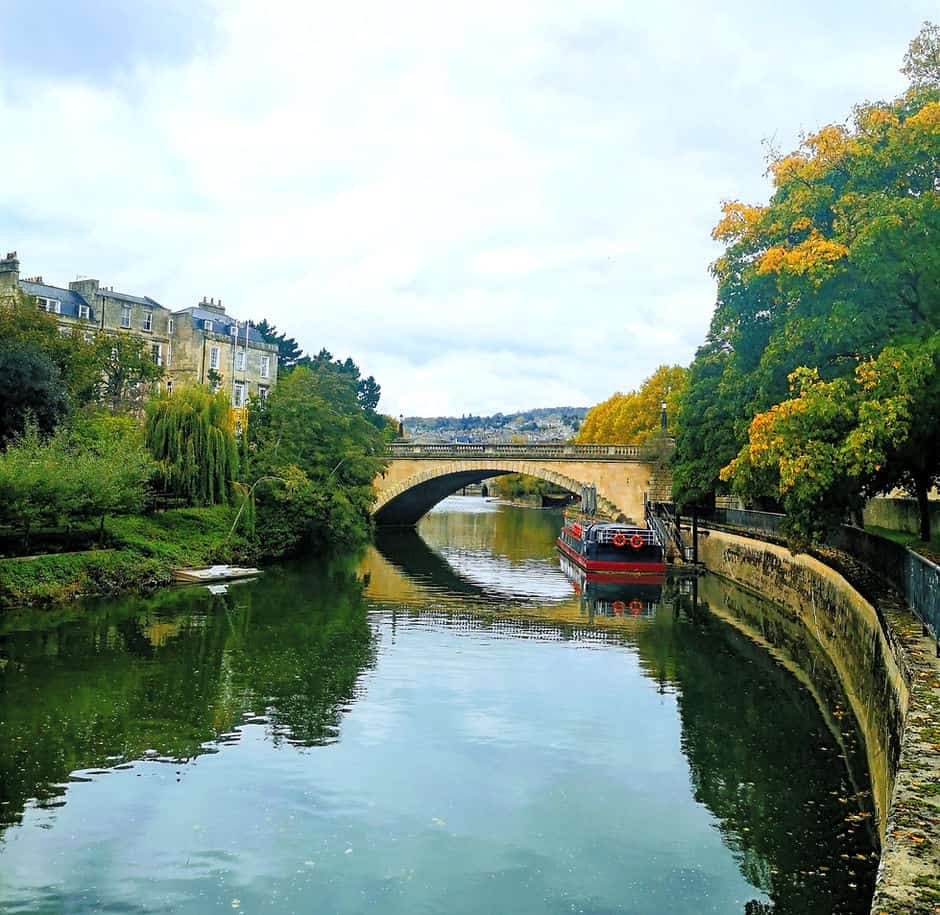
x,y
662,518
559,450
914,576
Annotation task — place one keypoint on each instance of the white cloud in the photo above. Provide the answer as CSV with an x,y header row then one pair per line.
x,y
490,206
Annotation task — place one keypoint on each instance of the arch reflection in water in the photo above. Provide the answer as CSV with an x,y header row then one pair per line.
x,y
445,752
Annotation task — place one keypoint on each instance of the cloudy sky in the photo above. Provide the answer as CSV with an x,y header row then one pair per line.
x,y
489,205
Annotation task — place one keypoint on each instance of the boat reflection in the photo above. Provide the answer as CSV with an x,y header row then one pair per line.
x,y
404,571
615,595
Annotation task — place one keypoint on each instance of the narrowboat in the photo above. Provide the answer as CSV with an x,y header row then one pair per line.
x,y
612,549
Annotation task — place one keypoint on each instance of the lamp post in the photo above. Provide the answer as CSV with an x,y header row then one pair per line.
x,y
662,416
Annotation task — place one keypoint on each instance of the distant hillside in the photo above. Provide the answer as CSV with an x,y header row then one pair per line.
x,y
541,424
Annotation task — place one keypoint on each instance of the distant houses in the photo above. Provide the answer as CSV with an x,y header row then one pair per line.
x,y
199,343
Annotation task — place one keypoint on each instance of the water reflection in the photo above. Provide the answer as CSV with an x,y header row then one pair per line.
x,y
475,743
166,675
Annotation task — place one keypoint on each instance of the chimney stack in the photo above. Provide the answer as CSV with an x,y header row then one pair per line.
x,y
9,273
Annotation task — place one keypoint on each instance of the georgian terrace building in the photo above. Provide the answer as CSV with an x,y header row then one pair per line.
x,y
196,344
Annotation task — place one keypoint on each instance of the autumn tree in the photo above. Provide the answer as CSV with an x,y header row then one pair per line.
x,y
834,443
840,262
635,417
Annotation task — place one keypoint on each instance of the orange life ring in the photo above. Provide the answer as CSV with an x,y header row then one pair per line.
x,y
619,606
620,539
636,541
636,606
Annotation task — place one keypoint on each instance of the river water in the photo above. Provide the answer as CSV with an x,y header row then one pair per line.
x,y
445,724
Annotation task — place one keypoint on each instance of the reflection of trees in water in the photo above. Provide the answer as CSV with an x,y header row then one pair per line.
x,y
174,670
761,756
764,763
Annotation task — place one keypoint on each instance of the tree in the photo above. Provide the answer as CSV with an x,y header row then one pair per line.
x,y
75,358
108,468
840,262
922,60
67,479
127,372
635,417
30,386
191,434
315,433
289,352
833,444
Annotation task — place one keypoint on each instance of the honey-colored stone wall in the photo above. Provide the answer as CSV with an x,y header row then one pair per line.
x,y
891,678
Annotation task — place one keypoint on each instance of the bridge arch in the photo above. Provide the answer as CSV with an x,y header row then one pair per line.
x,y
412,485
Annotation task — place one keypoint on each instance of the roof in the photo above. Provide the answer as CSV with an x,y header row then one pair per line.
x,y
222,322
69,298
127,297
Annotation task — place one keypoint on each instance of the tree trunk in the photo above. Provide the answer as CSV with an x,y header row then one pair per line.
x,y
101,532
921,484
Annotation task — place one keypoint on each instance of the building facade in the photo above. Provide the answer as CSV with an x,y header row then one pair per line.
x,y
213,348
199,344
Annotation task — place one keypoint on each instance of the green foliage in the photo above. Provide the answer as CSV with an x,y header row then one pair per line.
x,y
76,359
315,442
47,482
517,486
145,550
833,444
30,387
288,350
60,577
922,60
191,434
291,356
841,263
127,371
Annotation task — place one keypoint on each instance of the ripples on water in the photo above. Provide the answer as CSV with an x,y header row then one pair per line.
x,y
463,733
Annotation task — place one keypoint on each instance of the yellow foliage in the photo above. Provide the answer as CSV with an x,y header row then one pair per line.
x,y
786,168
811,257
926,121
831,144
738,220
634,417
875,120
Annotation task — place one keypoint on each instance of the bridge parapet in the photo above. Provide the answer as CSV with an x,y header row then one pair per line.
x,y
560,451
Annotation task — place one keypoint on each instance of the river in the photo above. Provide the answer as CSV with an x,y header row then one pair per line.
x,y
443,724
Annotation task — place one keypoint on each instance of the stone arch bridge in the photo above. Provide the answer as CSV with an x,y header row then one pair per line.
x,y
419,476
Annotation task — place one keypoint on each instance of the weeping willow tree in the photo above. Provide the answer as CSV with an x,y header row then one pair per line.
x,y
191,434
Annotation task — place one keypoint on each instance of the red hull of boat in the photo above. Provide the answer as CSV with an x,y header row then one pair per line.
x,y
628,569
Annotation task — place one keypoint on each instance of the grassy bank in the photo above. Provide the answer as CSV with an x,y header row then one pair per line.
x,y
142,551
928,548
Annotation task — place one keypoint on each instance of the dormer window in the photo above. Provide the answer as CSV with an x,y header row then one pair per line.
x,y
84,312
53,306
233,330
207,324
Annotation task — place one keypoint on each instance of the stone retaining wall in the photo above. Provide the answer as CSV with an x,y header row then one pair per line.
x,y
892,682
